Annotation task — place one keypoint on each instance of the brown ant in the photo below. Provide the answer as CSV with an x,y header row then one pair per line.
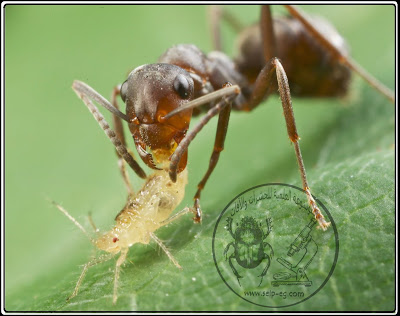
x,y
304,53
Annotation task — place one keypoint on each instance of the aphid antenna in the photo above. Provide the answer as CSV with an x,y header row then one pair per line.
x,y
73,220
96,230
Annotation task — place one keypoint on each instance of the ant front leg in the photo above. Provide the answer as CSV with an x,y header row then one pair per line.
x,y
119,130
222,127
87,94
223,107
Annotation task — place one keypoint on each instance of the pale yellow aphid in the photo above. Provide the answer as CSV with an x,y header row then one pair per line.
x,y
145,212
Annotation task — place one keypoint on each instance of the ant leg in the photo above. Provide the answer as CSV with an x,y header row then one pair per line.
x,y
120,261
119,130
215,14
267,33
222,127
214,17
224,106
86,93
347,60
261,86
163,247
91,263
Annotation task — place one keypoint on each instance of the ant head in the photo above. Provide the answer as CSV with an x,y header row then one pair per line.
x,y
151,92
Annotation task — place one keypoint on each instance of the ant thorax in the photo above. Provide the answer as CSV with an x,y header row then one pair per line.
x,y
145,211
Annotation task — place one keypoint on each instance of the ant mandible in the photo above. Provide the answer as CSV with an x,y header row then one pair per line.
x,y
304,53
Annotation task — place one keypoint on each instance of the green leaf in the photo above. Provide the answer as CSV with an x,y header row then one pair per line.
x,y
55,149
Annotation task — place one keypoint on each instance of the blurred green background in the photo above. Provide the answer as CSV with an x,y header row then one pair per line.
x,y
55,149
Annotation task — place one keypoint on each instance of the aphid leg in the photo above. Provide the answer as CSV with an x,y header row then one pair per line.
x,y
215,14
120,261
119,130
176,216
86,93
91,263
163,247
346,60
183,146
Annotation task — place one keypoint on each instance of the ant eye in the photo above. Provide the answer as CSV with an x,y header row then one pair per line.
x,y
124,88
181,85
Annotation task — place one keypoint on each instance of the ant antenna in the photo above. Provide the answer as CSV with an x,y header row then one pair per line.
x,y
352,64
84,89
73,220
204,99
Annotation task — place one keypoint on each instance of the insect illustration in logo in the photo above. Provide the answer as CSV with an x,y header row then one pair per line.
x,y
249,248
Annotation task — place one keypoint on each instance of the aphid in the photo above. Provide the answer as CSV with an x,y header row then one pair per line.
x,y
304,53
144,212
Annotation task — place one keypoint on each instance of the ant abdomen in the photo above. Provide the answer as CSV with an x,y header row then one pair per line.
x,y
312,70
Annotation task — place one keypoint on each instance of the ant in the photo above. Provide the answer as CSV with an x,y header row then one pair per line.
x,y
161,99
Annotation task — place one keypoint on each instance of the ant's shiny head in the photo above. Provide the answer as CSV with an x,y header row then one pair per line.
x,y
151,92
